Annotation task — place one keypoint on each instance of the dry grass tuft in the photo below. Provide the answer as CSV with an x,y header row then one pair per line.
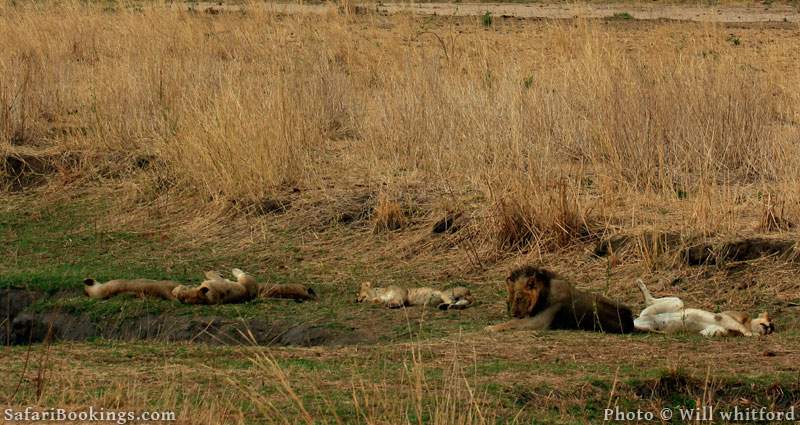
x,y
404,395
775,217
550,219
387,215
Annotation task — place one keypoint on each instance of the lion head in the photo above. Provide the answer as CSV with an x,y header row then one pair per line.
x,y
363,292
191,295
527,287
763,324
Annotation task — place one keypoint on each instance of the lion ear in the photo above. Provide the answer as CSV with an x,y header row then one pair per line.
x,y
204,290
764,316
544,275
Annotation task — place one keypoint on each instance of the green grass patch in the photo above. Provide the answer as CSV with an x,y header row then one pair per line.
x,y
623,16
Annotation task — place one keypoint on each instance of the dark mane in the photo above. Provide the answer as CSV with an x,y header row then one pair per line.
x,y
532,271
580,309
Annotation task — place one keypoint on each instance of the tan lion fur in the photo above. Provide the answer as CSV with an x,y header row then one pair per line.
x,y
293,291
139,287
396,296
217,290
669,315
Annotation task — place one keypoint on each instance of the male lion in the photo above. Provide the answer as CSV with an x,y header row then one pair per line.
x,y
140,287
396,297
538,299
217,290
668,315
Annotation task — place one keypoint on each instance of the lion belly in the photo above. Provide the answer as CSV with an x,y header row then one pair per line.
x,y
424,296
688,320
603,316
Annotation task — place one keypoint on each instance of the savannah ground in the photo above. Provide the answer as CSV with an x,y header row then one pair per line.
x,y
321,148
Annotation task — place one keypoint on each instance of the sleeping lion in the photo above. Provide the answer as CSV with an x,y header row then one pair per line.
x,y
214,290
395,297
668,315
217,290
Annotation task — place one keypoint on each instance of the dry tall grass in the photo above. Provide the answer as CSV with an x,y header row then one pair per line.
x,y
407,395
553,140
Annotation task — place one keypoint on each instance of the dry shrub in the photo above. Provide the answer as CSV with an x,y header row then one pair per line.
x,y
775,217
387,215
549,218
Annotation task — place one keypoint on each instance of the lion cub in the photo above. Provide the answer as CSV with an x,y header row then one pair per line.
x,y
217,290
396,297
668,315
140,287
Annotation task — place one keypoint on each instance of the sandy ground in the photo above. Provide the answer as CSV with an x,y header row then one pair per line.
x,y
750,13
756,12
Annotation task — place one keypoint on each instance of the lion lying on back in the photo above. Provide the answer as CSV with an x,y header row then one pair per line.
x,y
396,297
668,315
214,290
217,290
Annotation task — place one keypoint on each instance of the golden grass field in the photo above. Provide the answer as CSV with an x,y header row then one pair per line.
x,y
321,148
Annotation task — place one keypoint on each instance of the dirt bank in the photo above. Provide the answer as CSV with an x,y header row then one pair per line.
x,y
755,12
20,325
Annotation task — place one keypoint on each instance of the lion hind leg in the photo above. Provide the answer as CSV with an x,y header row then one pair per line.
x,y
663,305
658,305
648,297
212,275
458,305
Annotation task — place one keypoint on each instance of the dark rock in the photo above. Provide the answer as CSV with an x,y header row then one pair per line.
x,y
450,223
741,250
656,243
271,206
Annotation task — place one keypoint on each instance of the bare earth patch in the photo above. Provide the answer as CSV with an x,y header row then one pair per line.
x,y
729,13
